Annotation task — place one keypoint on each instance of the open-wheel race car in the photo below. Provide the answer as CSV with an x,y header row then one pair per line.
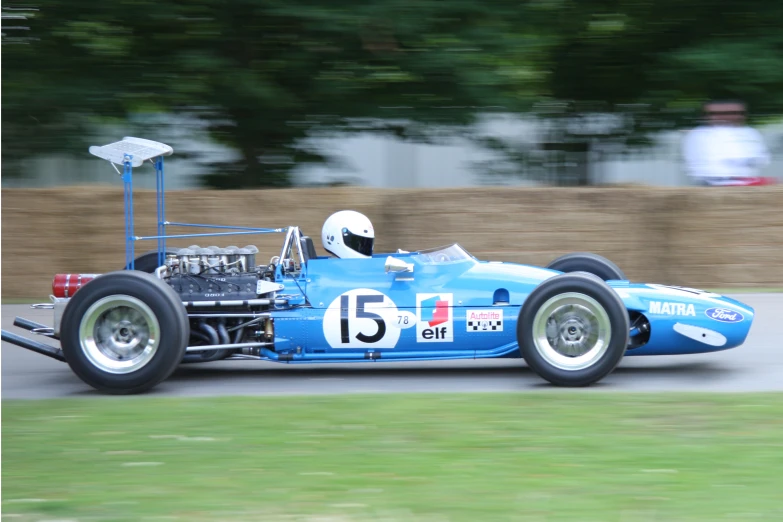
x,y
572,321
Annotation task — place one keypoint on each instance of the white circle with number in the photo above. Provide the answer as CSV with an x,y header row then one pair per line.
x,y
364,318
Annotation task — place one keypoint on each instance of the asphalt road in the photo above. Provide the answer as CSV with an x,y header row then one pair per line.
x,y
757,366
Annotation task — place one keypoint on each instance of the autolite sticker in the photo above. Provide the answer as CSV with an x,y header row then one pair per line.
x,y
484,320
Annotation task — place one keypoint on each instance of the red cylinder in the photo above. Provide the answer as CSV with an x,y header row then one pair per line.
x,y
65,285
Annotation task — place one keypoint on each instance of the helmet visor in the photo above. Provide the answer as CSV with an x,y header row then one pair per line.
x,y
361,244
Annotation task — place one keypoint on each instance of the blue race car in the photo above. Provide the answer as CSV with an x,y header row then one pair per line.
x,y
572,322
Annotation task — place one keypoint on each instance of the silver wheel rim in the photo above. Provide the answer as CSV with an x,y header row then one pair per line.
x,y
119,334
572,331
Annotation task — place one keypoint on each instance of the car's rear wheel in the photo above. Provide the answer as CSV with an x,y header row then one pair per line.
x,y
124,332
573,330
148,261
587,262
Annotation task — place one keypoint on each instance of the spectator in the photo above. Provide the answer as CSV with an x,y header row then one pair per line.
x,y
724,150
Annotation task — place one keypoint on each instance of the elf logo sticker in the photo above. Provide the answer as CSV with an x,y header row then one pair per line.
x,y
435,322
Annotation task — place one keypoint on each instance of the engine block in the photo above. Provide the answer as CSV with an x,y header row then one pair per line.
x,y
217,287
213,260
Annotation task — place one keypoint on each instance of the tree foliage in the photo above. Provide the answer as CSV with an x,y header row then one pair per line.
x,y
266,74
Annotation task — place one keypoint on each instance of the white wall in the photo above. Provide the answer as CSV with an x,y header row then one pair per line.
x,y
376,161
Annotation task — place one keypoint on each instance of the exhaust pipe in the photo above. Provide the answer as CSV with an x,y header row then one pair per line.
x,y
34,346
36,328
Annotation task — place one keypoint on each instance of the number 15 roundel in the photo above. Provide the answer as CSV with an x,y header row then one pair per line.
x,y
364,318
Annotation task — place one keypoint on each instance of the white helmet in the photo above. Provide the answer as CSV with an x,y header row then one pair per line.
x,y
347,234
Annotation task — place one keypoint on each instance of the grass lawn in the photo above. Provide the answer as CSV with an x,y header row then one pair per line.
x,y
472,457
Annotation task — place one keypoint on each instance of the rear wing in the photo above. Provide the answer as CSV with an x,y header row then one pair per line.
x,y
137,150
132,152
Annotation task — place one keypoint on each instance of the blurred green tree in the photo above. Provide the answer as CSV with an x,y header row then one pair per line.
x,y
651,65
265,74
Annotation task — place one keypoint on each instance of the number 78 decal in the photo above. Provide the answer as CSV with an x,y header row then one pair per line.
x,y
365,318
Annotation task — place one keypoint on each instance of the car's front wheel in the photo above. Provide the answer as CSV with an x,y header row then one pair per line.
x,y
573,330
587,262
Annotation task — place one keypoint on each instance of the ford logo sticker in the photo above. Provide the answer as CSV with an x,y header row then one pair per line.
x,y
724,315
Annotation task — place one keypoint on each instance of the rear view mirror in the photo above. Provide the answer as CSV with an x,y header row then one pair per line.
x,y
395,265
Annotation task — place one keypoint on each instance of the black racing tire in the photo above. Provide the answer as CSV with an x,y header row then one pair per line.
x,y
156,308
587,262
148,261
609,320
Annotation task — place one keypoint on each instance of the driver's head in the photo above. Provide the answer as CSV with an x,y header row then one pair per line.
x,y
348,234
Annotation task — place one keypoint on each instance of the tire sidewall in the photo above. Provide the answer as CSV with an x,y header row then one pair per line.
x,y
165,305
588,262
148,261
606,297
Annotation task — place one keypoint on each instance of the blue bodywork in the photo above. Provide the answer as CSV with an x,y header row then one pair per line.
x,y
433,304
450,306
454,306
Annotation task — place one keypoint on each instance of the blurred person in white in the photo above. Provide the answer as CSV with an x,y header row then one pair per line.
x,y
725,150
